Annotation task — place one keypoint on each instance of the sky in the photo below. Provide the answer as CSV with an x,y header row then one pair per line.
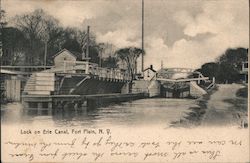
x,y
180,33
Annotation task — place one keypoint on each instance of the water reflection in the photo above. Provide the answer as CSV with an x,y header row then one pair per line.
x,y
155,112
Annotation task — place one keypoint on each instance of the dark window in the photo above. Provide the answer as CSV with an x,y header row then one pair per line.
x,y
245,65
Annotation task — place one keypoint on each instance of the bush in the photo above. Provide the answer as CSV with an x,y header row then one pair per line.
x,y
243,92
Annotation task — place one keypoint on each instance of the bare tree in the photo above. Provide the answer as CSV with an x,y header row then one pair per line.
x,y
81,37
3,21
14,46
130,56
39,28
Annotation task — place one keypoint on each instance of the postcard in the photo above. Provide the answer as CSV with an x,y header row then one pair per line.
x,y
124,81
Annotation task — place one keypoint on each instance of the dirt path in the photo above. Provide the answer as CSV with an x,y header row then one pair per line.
x,y
219,112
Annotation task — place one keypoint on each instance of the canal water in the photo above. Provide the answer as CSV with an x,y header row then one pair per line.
x,y
155,112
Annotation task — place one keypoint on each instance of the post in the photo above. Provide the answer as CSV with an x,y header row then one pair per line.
x,y
1,44
142,42
50,105
100,59
100,54
39,108
45,54
87,48
136,67
199,80
87,67
49,111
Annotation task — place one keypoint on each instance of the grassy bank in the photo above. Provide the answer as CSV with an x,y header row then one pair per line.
x,y
194,117
226,106
243,92
240,106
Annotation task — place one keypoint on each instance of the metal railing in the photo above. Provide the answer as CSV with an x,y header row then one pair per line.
x,y
85,67
25,68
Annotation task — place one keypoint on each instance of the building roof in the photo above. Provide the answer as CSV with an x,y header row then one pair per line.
x,y
149,68
75,54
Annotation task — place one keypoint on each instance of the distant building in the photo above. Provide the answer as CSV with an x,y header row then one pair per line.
x,y
68,56
149,73
72,62
244,71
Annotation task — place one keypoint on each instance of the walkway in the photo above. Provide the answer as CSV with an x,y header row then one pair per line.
x,y
222,113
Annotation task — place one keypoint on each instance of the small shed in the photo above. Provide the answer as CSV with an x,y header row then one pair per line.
x,y
65,55
149,73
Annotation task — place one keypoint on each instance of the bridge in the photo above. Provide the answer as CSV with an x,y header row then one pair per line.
x,y
91,69
21,70
167,74
48,102
77,77
74,77
70,67
75,82
183,86
183,80
178,70
28,69
86,78
11,72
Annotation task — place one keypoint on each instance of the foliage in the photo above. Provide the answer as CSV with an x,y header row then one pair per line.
x,y
25,42
71,45
38,28
130,55
210,69
242,92
110,62
234,57
14,46
227,68
3,22
94,54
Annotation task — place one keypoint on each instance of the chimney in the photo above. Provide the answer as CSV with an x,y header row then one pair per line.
x,y
151,67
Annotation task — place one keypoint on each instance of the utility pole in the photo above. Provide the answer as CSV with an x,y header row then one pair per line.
x,y
87,48
111,50
101,49
1,45
46,41
142,42
87,52
45,53
100,58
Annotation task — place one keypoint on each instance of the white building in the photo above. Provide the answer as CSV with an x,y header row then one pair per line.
x,y
244,72
149,73
66,56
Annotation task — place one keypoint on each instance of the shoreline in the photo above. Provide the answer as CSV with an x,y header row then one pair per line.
x,y
206,113
194,118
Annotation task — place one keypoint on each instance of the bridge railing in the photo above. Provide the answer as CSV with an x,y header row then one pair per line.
x,y
85,67
26,68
